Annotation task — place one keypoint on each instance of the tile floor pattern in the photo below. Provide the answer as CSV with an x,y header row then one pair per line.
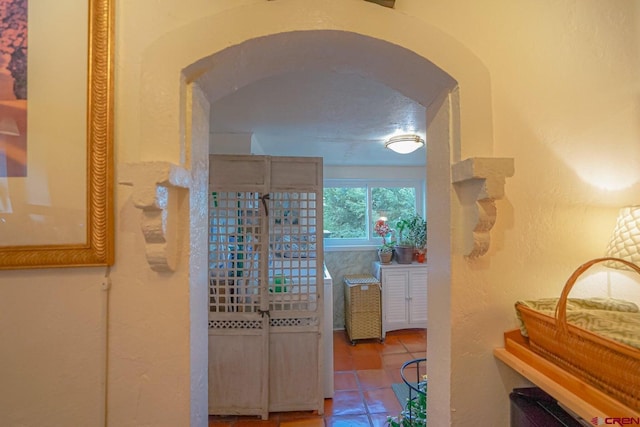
x,y
363,374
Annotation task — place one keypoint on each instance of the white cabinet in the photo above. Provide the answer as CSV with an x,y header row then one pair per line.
x,y
404,295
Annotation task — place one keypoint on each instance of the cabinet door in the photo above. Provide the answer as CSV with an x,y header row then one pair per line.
x,y
394,284
418,298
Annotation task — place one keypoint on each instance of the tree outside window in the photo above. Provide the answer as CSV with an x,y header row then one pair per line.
x,y
350,212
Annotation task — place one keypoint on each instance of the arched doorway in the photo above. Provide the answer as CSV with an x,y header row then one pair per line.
x,y
335,52
277,43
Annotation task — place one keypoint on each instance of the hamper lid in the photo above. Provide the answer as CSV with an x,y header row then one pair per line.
x,y
360,279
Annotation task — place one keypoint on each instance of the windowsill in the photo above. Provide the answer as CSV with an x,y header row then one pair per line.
x,y
353,248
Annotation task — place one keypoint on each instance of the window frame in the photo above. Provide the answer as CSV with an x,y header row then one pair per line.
x,y
372,241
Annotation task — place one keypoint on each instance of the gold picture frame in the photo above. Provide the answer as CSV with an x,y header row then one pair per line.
x,y
98,249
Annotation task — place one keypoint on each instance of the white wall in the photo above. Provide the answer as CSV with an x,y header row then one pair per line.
x,y
562,101
562,84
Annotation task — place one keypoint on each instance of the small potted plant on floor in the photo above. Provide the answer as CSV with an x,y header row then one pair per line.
x,y
414,413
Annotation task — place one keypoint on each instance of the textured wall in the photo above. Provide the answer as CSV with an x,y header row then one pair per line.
x,y
562,101
340,264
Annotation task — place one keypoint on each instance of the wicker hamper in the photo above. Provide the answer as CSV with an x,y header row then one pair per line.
x,y
609,365
362,307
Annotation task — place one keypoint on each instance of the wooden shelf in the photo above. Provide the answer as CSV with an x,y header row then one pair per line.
x,y
576,395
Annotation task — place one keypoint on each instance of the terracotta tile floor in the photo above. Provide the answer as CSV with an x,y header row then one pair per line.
x,y
363,375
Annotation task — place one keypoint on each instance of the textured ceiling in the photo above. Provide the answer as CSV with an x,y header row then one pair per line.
x,y
342,117
319,93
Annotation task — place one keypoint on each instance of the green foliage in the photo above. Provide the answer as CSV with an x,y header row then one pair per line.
x,y
401,227
392,202
414,413
345,212
387,247
345,208
412,231
417,231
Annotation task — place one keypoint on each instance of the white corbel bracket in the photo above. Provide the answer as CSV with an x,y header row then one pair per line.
x,y
480,180
155,192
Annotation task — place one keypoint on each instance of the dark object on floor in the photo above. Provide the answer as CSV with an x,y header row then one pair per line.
x,y
532,407
401,391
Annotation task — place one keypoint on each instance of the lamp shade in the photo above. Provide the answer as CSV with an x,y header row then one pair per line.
x,y
404,144
625,241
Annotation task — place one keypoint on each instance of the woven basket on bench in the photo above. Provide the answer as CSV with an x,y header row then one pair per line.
x,y
609,365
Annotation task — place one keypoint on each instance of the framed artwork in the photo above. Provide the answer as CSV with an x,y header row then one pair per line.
x,y
56,133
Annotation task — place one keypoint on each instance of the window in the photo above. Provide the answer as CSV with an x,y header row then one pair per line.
x,y
351,208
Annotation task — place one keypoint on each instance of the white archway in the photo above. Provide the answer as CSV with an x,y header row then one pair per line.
x,y
214,55
345,52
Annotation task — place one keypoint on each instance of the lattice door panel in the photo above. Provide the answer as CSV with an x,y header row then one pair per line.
x,y
235,239
293,253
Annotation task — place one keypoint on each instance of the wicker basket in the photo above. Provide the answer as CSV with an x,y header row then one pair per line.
x,y
362,307
609,365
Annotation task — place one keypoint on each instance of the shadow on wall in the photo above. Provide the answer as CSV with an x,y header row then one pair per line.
x,y
340,264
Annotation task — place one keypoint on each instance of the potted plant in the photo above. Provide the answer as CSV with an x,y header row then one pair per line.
x,y
404,246
417,232
385,252
414,413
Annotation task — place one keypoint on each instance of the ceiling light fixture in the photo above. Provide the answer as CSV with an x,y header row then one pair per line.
x,y
404,144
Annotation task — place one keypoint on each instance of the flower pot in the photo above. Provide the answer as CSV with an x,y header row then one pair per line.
x,y
404,254
385,257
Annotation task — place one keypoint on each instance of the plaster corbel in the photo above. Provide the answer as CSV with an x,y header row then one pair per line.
x,y
155,192
480,182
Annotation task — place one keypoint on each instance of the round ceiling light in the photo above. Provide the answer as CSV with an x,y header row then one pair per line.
x,y
404,144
